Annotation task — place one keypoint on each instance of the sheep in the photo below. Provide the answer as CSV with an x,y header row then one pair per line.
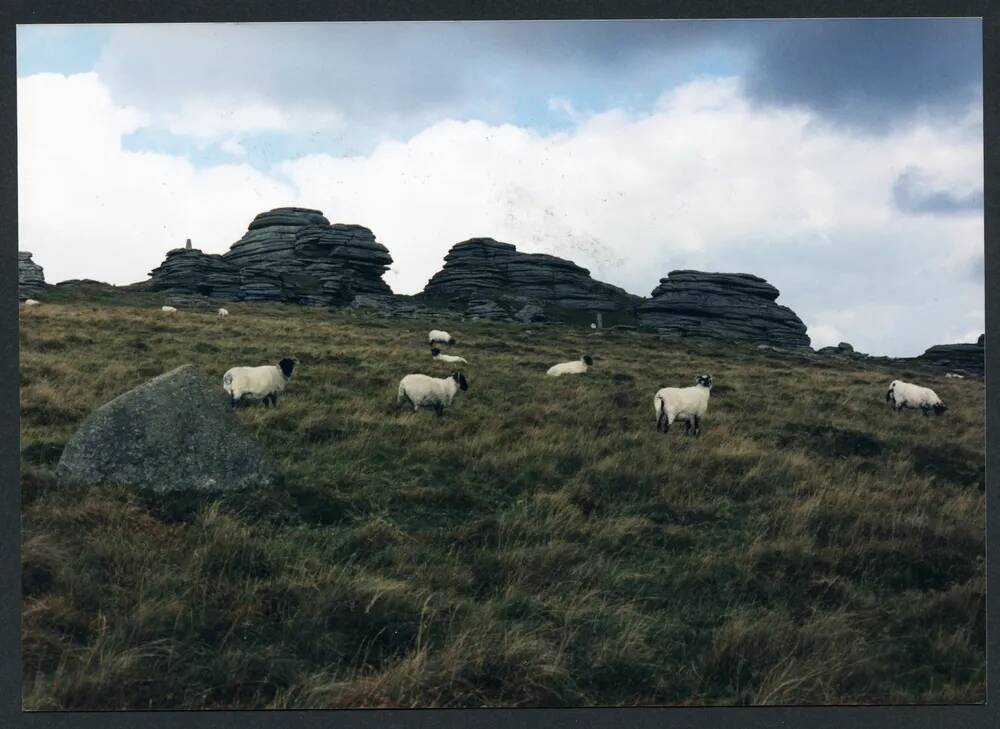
x,y
168,309
436,336
430,392
32,302
258,383
954,376
907,395
682,403
436,354
223,312
571,368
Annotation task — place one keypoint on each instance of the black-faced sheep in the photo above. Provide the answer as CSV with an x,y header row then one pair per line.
x,y
907,395
682,403
571,368
262,383
423,391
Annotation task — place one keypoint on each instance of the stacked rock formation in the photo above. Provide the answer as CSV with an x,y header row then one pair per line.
x,y
30,276
723,306
963,358
485,269
287,254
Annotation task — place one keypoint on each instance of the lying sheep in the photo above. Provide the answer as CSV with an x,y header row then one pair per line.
x,y
223,312
436,336
571,368
436,354
32,302
954,376
430,392
906,395
682,403
168,309
263,383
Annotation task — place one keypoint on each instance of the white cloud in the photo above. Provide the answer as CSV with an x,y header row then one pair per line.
x,y
215,118
704,181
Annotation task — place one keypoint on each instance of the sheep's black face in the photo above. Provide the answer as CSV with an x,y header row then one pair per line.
x,y
460,379
287,365
435,351
588,360
940,408
705,380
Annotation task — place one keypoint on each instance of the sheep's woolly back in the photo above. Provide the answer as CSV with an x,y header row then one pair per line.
x,y
906,394
681,403
168,309
570,368
427,391
254,382
438,335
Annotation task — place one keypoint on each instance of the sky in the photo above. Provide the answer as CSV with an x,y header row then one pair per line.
x,y
841,160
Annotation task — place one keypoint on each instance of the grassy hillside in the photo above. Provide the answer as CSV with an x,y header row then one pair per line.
x,y
541,544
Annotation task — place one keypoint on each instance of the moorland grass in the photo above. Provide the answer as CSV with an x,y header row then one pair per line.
x,y
539,545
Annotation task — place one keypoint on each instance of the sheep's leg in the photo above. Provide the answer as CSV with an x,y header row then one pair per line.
x,y
439,409
659,421
274,399
697,426
926,410
687,427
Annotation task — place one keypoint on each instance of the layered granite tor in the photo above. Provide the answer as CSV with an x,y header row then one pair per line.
x,y
722,306
30,276
287,254
484,268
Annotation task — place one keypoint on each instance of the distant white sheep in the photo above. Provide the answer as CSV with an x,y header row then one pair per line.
x,y
423,391
954,376
31,302
437,336
682,403
168,309
436,354
907,395
571,368
223,312
262,383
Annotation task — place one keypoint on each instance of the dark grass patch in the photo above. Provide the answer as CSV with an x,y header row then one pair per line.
x,y
950,464
830,441
43,452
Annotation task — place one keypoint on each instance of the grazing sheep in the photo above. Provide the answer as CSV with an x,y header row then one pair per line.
x,y
571,368
954,376
682,403
168,309
436,354
436,336
31,302
906,395
258,383
223,312
430,392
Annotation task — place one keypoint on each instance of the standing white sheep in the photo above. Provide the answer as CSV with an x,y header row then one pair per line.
x,y
907,395
223,312
430,392
437,336
571,368
682,403
168,309
436,354
258,383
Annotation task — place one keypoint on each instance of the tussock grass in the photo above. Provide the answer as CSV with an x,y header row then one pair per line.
x,y
539,545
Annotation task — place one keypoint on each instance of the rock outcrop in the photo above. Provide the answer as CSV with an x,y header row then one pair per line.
x,y
483,269
287,254
176,432
962,358
30,276
723,306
